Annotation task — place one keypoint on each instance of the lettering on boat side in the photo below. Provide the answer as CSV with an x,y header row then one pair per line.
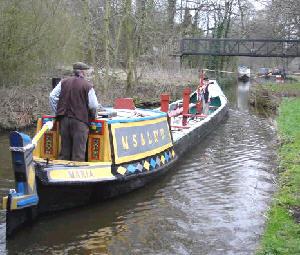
x,y
81,174
142,140
133,141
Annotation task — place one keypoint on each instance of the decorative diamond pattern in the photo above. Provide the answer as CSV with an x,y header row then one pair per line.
x,y
131,169
173,153
166,156
162,159
121,170
152,163
147,165
139,167
158,162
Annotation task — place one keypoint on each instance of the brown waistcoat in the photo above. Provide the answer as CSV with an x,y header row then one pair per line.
x,y
73,100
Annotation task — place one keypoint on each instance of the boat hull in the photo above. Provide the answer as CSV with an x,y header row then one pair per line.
x,y
244,73
17,219
62,196
56,197
244,77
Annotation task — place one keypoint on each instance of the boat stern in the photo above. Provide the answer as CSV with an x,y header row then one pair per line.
x,y
21,203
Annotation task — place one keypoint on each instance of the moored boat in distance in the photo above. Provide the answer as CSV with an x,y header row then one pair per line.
x,y
244,73
127,149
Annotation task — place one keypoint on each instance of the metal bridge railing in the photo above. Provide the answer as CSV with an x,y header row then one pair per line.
x,y
239,47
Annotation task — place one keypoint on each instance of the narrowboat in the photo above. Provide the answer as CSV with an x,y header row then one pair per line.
x,y
127,148
244,73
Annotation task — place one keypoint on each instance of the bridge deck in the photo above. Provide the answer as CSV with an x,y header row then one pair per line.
x,y
240,47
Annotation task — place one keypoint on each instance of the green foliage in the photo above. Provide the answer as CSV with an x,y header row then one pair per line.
x,y
36,36
137,101
282,232
289,118
283,87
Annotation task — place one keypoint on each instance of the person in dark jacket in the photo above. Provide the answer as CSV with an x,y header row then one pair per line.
x,y
206,98
74,103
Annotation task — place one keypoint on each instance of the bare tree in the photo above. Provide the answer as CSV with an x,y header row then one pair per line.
x,y
35,37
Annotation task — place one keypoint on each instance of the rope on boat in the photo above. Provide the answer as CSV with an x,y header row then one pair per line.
x,y
18,149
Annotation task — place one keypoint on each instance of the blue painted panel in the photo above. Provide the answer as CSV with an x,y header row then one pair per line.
x,y
26,139
20,188
27,201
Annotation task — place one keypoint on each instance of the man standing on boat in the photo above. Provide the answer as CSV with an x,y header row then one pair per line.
x,y
74,103
214,92
206,96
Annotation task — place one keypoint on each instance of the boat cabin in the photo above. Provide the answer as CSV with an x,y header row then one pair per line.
x,y
117,132
125,133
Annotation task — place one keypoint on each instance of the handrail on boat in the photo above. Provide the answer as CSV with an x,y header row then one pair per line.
x,y
183,109
47,126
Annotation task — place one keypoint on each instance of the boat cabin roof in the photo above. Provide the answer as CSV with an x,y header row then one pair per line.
x,y
111,115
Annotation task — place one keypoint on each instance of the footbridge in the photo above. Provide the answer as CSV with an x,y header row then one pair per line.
x,y
239,47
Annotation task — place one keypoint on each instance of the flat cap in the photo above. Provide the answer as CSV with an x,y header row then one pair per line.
x,y
80,66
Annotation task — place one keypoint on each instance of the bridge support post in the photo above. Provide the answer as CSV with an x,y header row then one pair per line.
x,y
177,62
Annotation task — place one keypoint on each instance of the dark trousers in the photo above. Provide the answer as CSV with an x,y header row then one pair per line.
x,y
74,135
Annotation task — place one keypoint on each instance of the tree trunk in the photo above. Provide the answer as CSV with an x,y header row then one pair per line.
x,y
107,44
171,12
129,44
90,41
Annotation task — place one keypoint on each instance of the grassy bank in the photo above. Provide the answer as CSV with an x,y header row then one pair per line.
x,y
282,232
269,94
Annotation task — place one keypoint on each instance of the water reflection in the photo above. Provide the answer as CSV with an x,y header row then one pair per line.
x,y
243,96
6,182
212,202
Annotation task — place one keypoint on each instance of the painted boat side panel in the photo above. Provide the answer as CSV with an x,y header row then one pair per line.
x,y
137,140
99,146
36,151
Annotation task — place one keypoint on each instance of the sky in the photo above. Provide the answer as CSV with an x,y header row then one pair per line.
x,y
259,4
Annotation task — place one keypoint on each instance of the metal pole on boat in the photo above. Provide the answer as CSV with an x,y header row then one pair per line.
x,y
186,103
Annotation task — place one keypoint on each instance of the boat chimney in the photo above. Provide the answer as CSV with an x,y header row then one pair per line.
x,y
164,102
164,105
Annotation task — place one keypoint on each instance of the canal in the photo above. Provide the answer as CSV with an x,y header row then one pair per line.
x,y
213,202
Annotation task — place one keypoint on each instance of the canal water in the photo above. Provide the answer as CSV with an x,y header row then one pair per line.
x,y
213,202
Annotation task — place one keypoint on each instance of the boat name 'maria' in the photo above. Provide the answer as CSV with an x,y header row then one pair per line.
x,y
81,174
142,139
